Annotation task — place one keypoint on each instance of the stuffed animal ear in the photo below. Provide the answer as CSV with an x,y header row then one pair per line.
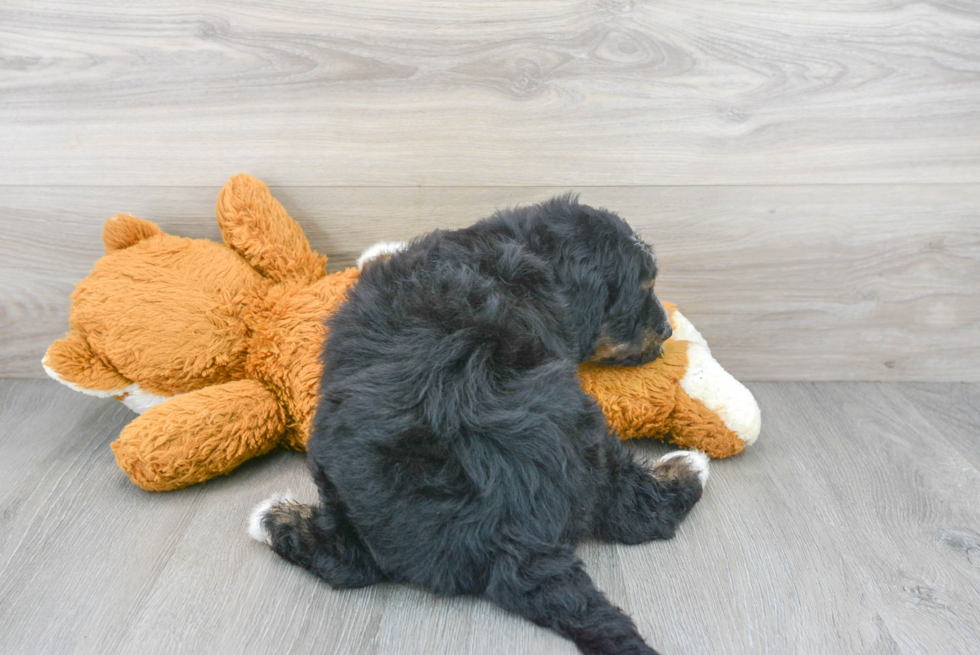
x,y
122,231
255,225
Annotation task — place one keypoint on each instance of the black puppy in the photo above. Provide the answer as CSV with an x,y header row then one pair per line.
x,y
453,447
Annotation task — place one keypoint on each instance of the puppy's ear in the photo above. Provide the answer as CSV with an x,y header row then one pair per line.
x,y
379,253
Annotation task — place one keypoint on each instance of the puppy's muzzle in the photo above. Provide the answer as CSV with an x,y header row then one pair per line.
x,y
630,354
653,344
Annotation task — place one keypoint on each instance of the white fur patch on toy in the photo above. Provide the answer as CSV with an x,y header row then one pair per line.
x,y
708,382
131,396
98,393
696,461
380,249
139,401
255,528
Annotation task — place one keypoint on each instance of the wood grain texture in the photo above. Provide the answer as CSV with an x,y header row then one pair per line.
x,y
850,527
592,92
953,409
793,283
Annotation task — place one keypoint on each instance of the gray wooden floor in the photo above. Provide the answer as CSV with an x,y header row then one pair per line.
x,y
853,526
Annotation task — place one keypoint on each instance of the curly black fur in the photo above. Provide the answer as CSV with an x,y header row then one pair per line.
x,y
453,446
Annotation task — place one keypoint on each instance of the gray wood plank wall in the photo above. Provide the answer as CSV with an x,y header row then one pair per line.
x,y
809,172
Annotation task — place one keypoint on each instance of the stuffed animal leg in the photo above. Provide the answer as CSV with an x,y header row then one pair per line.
x,y
255,225
199,435
684,395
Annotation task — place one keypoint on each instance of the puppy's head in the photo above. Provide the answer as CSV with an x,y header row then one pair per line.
x,y
635,323
608,274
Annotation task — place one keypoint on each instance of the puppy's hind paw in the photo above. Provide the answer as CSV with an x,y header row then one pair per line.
x,y
256,523
674,465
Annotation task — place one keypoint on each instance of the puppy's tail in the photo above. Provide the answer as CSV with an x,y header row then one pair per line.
x,y
314,538
552,589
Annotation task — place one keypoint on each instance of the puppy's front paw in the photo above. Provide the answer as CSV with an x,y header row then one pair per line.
x,y
682,463
379,253
257,528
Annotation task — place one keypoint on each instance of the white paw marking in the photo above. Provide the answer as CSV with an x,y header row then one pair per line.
x,y
139,401
696,460
255,528
379,249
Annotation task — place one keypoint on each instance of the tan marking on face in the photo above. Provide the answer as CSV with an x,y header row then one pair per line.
x,y
647,286
605,348
652,340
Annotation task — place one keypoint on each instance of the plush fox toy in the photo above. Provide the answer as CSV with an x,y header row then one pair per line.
x,y
218,347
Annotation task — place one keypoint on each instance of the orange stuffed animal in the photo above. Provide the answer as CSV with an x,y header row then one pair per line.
x,y
218,346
